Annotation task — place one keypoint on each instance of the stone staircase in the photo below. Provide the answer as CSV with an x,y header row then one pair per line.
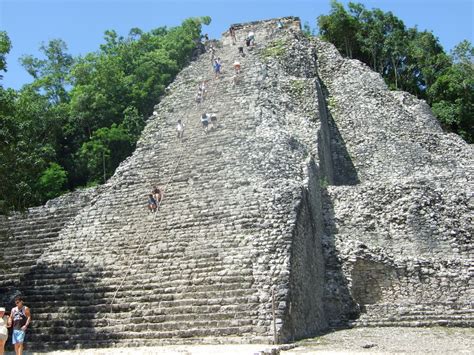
x,y
28,235
200,269
415,315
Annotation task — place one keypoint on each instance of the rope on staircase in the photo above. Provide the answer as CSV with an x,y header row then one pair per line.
x,y
151,225
172,175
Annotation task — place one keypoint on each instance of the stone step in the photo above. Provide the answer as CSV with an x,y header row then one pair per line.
x,y
93,339
249,338
161,267
37,225
418,323
204,277
170,285
184,297
181,228
102,291
40,230
164,322
151,309
419,317
401,310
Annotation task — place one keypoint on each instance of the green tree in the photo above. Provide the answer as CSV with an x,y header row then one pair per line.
x,y
31,144
5,46
425,61
50,74
380,37
452,94
340,28
80,117
104,152
133,123
52,181
394,54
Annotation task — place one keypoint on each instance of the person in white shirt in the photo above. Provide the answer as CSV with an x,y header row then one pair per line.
x,y
180,129
3,330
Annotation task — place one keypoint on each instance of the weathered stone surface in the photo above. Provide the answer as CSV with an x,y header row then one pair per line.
x,y
319,197
400,218
28,235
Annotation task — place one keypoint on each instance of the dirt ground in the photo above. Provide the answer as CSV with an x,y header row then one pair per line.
x,y
390,341
352,341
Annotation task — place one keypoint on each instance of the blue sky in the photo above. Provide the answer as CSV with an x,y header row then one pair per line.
x,y
81,23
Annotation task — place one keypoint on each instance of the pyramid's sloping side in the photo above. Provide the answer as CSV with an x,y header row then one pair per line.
x,y
398,207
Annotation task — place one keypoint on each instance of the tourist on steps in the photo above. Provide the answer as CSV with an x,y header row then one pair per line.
x,y
205,122
237,67
203,89
158,195
212,50
217,67
235,80
213,118
180,129
201,93
250,40
3,330
20,318
152,206
198,97
205,40
232,34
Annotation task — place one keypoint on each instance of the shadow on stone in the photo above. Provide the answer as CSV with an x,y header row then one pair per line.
x,y
337,169
369,277
339,304
335,162
66,303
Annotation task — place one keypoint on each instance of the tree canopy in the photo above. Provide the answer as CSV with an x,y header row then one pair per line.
x,y
81,116
408,59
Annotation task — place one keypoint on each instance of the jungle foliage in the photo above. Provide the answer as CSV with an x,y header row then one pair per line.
x,y
81,116
408,59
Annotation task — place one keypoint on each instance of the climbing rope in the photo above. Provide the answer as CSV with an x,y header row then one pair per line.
x,y
151,225
208,101
172,175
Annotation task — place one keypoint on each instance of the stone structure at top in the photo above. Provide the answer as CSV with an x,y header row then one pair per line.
x,y
344,200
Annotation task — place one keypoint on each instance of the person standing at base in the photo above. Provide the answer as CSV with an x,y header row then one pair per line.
x,y
3,330
20,318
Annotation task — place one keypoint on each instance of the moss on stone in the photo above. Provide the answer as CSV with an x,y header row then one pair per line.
x,y
331,102
275,49
297,87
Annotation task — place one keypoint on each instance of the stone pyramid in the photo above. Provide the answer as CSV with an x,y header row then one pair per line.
x,y
318,199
